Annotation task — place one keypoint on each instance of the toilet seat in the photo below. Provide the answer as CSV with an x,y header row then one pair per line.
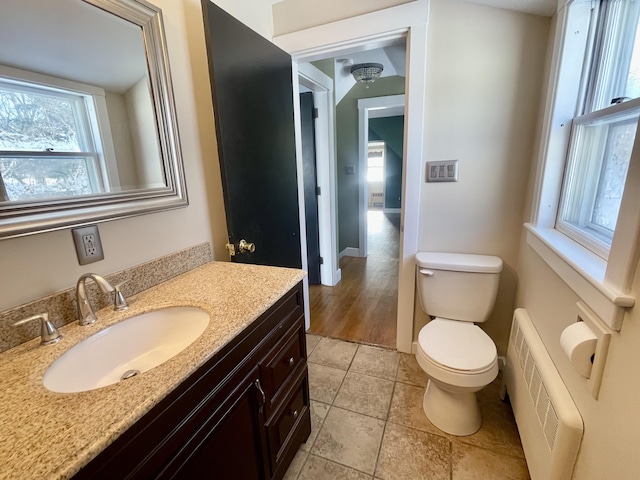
x,y
457,347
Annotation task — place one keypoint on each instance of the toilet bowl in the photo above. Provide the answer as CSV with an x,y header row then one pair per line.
x,y
457,291
460,360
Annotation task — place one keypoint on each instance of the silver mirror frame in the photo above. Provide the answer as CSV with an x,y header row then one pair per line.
x,y
29,218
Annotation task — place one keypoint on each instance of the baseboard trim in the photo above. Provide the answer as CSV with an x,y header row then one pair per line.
x,y
392,210
350,252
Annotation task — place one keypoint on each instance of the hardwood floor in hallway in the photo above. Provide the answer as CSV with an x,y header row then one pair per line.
x,y
363,306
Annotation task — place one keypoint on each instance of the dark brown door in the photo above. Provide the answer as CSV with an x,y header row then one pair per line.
x,y
310,179
252,91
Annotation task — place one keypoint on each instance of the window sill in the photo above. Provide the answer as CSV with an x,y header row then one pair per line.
x,y
583,271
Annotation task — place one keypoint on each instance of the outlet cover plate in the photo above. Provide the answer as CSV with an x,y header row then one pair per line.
x,y
88,244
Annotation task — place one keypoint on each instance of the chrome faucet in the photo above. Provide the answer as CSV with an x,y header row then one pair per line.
x,y
86,315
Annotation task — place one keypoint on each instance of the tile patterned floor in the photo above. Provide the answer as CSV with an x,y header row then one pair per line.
x,y
367,423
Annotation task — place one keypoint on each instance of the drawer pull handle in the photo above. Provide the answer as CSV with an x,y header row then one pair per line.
x,y
263,397
294,413
290,362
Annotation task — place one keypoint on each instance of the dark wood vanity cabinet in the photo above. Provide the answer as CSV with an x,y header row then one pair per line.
x,y
242,415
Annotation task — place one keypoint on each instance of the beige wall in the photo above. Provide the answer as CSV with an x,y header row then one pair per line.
x,y
127,177
293,15
611,424
256,14
144,137
37,265
484,76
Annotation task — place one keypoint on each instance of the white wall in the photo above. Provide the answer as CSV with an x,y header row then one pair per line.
x,y
255,14
127,177
144,134
293,15
38,265
484,78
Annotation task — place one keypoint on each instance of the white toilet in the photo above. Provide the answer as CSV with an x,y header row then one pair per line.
x,y
459,290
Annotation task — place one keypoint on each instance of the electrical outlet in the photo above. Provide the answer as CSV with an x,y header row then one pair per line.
x,y
88,245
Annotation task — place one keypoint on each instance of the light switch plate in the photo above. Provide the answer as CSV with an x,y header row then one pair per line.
x,y
88,244
442,171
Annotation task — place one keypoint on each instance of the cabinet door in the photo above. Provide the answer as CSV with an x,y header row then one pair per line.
x,y
231,442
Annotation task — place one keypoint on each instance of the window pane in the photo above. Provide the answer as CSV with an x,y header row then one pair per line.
x,y
375,174
633,79
34,178
613,174
596,176
31,121
618,54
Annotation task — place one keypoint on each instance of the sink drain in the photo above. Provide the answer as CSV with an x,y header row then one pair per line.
x,y
129,373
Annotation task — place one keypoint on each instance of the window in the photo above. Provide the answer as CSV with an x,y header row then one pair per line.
x,y
375,162
47,149
585,217
603,133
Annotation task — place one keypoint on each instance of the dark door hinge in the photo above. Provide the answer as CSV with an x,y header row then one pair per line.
x,y
315,113
320,260
318,191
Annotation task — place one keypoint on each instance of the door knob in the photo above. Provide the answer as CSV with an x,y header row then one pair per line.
x,y
245,246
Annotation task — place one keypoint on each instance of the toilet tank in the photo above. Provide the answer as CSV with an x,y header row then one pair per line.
x,y
457,286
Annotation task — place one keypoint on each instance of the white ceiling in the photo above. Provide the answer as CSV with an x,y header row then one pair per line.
x,y
393,58
73,40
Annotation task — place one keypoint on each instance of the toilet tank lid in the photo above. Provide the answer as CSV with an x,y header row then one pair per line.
x,y
459,262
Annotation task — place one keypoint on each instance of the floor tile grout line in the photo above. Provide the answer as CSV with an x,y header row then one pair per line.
x,y
375,467
370,376
364,414
384,430
469,444
393,392
330,460
320,427
443,435
304,464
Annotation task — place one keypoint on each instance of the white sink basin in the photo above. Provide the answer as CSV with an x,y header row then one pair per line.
x,y
126,349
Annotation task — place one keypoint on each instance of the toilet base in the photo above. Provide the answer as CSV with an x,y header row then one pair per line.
x,y
454,413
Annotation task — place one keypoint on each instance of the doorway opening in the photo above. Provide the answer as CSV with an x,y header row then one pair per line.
x,y
369,136
407,21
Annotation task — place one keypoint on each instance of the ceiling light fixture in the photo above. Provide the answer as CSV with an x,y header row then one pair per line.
x,y
366,72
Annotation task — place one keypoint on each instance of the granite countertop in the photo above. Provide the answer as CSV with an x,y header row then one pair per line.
x,y
53,435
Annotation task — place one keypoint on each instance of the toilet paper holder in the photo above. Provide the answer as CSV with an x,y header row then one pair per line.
x,y
579,343
599,357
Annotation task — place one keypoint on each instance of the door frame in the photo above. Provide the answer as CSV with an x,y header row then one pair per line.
x,y
373,107
371,30
322,87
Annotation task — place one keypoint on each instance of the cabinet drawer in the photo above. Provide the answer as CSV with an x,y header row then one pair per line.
x,y
288,418
284,360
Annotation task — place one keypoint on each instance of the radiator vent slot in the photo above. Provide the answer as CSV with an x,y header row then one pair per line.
x,y
549,423
547,417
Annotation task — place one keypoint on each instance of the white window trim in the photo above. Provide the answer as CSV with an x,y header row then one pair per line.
x,y
603,285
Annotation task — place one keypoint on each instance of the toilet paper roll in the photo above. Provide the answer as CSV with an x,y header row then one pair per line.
x,y
579,343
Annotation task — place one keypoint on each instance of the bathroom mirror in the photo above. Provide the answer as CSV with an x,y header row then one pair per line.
x,y
88,127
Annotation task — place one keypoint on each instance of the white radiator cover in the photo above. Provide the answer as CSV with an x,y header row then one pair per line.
x,y
548,420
